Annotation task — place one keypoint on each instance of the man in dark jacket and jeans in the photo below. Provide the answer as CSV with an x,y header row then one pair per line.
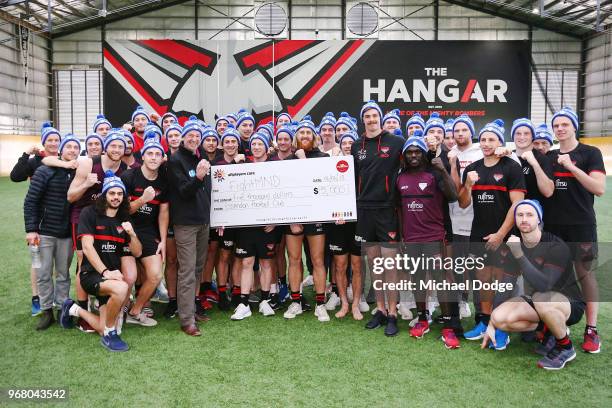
x,y
47,223
188,173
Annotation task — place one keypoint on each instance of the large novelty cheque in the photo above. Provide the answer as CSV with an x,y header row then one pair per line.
x,y
283,192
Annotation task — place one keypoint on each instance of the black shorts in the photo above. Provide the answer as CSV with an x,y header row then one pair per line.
x,y
341,239
255,242
582,239
149,240
376,225
308,229
577,308
213,235
90,282
228,240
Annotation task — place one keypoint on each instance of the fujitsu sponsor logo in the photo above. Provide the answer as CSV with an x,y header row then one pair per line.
x,y
485,197
109,247
436,87
560,184
414,206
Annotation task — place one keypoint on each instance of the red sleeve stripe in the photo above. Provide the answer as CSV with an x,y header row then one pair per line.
x,y
85,235
520,190
484,187
134,198
563,174
109,238
598,171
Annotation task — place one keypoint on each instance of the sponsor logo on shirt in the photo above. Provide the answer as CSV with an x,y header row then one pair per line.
x,y
486,198
422,186
560,184
192,173
228,243
362,154
498,176
240,251
526,170
120,229
109,247
414,206
392,234
384,149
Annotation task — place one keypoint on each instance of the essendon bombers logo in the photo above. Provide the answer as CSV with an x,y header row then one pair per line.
x,y
498,176
163,75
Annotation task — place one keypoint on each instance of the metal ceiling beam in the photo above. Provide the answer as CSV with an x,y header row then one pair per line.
x,y
117,16
72,9
35,16
16,20
6,3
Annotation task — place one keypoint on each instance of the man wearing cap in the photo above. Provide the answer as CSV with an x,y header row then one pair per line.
x,y
149,214
221,124
493,185
93,145
109,242
188,172
283,119
245,124
47,224
392,121
579,175
130,157
344,124
101,126
167,120
140,120
377,155
553,300
327,131
415,122
542,139
449,139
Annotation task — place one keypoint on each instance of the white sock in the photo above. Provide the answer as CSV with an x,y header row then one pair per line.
x,y
273,288
108,330
74,310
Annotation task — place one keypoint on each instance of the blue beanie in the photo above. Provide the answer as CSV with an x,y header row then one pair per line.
x,y
125,133
448,126
345,119
232,116
434,121
306,122
93,136
242,116
114,134
140,111
371,105
191,124
267,128
210,132
542,133
418,133
392,114
350,135
283,114
174,126
285,129
568,113
152,131
468,121
415,119
169,114
260,136
69,138
48,130
398,132
329,120
110,181
151,143
522,122
535,204
219,119
230,132
415,141
100,120
497,127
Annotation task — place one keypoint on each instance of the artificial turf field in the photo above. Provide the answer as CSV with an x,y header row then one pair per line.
x,y
274,362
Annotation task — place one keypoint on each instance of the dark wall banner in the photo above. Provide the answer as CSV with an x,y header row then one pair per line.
x,y
486,79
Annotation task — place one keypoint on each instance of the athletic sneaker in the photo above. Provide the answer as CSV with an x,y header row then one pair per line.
x,y
171,309
391,327
308,281
476,333
295,308
224,303
65,320
265,308
557,358
333,302
211,296
112,342
160,295
420,329
321,313
464,310
404,311
46,320
450,339
273,301
363,305
141,319
414,321
205,303
547,345
377,320
283,292
35,307
148,311
85,327
241,312
592,342
502,339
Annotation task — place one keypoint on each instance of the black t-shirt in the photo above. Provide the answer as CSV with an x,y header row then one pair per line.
x,y
533,192
110,240
245,148
491,194
552,252
571,203
146,217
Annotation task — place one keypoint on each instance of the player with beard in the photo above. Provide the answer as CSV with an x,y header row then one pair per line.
x,y
108,240
537,168
84,190
543,139
415,122
424,189
554,301
245,124
580,175
227,236
255,242
306,144
129,157
25,168
147,190
392,121
494,185
377,156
